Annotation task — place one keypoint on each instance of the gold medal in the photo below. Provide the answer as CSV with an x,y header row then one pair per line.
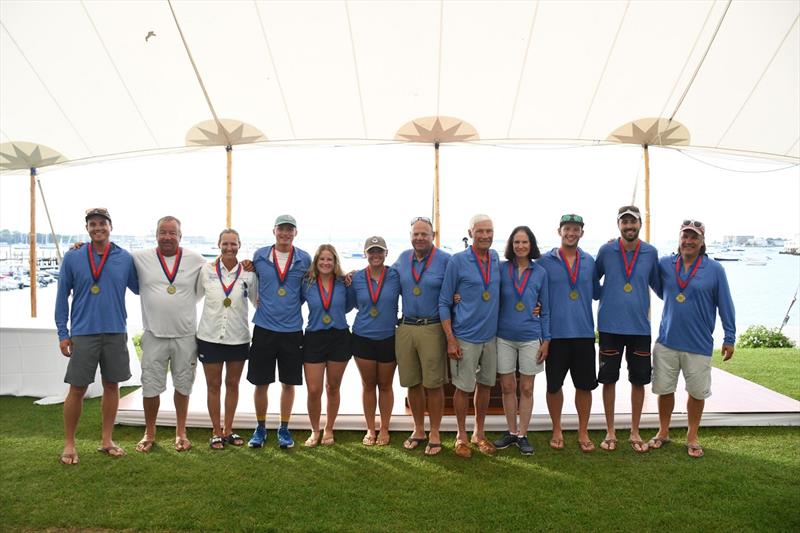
x,y
417,291
373,312
486,296
171,289
680,298
281,292
326,319
573,295
520,306
226,302
627,287
95,289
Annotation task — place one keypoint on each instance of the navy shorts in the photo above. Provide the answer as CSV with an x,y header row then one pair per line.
x,y
212,352
382,351
269,347
575,356
327,345
637,355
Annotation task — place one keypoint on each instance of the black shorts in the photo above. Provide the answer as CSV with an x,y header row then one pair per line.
x,y
575,356
327,345
381,351
637,354
271,346
211,352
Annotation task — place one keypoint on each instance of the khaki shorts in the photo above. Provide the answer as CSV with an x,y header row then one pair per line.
x,y
179,354
668,363
421,353
509,353
477,364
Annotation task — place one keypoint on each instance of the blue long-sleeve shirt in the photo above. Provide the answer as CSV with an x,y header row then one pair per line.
x,y
340,305
382,326
620,312
426,303
473,319
689,326
275,312
570,319
92,314
520,325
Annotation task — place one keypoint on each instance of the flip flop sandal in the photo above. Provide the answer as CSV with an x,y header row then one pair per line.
x,y
215,443
557,444
586,446
639,446
382,441
327,441
182,444
694,448
609,445
234,440
111,451
312,441
369,440
145,446
657,442
68,459
412,442
433,448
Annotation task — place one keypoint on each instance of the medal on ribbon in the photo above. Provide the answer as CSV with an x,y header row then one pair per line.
x,y
519,287
282,275
572,273
486,273
171,274
97,270
227,288
326,300
628,267
374,295
426,262
682,284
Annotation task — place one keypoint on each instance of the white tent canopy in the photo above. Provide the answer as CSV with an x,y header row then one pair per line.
x,y
82,78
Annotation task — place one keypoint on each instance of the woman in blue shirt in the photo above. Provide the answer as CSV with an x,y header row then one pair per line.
x,y
326,345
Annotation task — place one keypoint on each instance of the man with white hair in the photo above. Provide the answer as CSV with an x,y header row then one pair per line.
x,y
694,289
470,329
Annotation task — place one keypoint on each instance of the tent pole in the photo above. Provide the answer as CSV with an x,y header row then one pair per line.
x,y
436,222
32,239
229,152
646,193
50,221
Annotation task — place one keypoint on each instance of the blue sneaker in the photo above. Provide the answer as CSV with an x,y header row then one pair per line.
x,y
505,441
525,447
285,438
258,438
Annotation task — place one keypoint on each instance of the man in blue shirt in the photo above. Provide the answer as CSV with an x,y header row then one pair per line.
x,y
694,289
278,330
572,285
95,276
470,328
628,267
420,344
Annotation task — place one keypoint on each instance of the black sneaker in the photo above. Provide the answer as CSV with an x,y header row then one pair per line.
x,y
525,447
505,441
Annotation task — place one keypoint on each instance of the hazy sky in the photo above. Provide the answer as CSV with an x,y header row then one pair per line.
x,y
357,191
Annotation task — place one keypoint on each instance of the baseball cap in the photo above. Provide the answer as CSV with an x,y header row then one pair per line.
x,y
98,212
375,242
574,219
693,225
285,219
631,210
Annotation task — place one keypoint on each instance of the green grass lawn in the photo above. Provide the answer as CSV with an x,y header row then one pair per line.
x,y
748,480
775,368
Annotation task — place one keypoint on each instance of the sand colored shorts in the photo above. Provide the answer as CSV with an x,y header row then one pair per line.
x,y
421,353
522,355
669,363
178,354
477,364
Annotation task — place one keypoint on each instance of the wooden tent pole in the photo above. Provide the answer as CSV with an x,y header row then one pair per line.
x,y
229,151
32,240
646,193
436,221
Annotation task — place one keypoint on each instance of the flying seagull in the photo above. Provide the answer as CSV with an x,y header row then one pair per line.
x,y
149,34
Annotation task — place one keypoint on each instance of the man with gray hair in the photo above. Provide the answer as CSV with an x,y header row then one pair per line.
x,y
470,329
168,288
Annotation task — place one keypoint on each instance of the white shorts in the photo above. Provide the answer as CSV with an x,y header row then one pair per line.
x,y
668,364
478,363
179,353
509,353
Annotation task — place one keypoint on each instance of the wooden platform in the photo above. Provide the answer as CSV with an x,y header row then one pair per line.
x,y
735,402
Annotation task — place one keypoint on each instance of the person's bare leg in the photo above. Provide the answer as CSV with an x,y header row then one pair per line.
x,y
508,384
416,401
525,403
583,404
151,406
181,402
435,400
555,403
287,401
73,407
369,381
315,378
333,382
694,410
233,374
385,398
213,373
481,408
260,397
109,405
460,406
637,402
609,399
666,404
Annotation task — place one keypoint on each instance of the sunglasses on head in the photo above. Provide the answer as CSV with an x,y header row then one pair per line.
x,y
695,223
421,219
572,218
